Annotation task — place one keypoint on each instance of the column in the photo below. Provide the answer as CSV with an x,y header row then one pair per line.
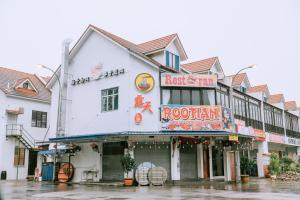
x,y
175,162
100,146
211,176
262,160
237,165
200,160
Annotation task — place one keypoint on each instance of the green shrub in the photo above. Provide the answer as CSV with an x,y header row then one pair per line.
x,y
274,166
286,164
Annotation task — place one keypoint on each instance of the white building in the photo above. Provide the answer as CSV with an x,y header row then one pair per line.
x,y
24,114
120,97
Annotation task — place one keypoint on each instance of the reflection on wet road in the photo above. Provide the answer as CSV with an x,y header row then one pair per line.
x,y
257,189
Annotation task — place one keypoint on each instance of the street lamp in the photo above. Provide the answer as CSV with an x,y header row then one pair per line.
x,y
237,156
58,111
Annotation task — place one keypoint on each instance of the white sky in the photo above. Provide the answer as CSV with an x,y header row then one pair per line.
x,y
240,33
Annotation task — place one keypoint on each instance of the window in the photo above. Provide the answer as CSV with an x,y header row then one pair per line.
x,y
172,60
26,85
189,96
19,157
110,99
39,119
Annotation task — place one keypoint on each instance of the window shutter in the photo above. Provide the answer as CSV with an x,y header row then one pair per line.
x,y
167,58
177,63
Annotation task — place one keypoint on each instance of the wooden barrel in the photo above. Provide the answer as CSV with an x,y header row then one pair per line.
x,y
66,173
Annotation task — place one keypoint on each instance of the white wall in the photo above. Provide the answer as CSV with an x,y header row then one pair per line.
x,y
7,146
84,114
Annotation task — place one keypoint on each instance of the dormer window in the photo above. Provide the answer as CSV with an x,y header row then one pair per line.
x,y
243,89
172,60
26,85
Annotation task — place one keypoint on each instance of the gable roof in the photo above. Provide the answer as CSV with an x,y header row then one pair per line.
x,y
290,105
131,47
238,80
19,84
156,44
258,88
275,98
9,79
159,44
201,65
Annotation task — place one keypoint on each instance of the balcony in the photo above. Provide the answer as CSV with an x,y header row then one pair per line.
x,y
17,131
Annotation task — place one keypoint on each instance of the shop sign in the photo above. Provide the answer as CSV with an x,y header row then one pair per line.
x,y
189,80
97,75
146,106
144,82
195,118
233,137
260,135
241,127
276,138
292,141
138,118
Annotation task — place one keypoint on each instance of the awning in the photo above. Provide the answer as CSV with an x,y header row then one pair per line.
x,y
107,136
52,152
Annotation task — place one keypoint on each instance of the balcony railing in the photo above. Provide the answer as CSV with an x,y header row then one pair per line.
x,y
293,134
17,130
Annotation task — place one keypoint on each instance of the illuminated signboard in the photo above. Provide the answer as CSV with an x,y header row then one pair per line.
x,y
189,80
195,118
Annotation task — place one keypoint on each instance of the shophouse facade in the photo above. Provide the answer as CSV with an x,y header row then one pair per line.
x,y
120,97
24,110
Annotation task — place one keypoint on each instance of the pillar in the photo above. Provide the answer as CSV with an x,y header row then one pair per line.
x,y
210,160
237,165
200,160
175,162
100,146
262,159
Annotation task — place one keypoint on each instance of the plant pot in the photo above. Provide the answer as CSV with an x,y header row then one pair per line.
x,y
128,181
245,178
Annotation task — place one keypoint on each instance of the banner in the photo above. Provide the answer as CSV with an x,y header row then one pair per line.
x,y
275,138
195,118
189,80
260,135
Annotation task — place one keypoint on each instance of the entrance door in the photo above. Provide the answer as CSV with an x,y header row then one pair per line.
x,y
206,162
157,154
188,162
232,165
32,162
217,162
111,162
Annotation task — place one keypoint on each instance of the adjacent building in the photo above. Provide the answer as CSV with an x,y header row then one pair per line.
x,y
24,119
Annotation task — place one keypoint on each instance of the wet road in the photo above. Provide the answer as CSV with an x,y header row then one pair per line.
x,y
257,189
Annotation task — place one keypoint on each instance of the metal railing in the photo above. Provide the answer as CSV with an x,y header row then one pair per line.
x,y
17,130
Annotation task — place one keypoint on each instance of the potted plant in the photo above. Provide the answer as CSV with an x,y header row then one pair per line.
x,y
128,164
274,166
245,168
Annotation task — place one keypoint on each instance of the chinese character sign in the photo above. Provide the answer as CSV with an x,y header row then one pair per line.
x,y
189,80
195,118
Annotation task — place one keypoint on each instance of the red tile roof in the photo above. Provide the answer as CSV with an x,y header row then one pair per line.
x,y
258,88
9,79
238,80
275,98
156,44
200,66
290,105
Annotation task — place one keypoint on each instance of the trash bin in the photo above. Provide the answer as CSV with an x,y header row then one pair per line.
x,y
3,175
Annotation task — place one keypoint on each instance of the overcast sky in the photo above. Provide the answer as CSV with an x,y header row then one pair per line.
x,y
240,33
